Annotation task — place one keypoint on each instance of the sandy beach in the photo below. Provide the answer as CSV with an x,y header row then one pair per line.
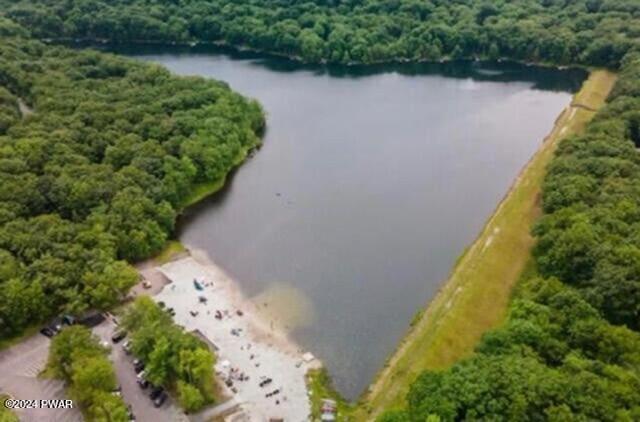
x,y
263,369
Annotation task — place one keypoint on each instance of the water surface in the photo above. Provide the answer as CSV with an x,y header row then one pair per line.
x,y
370,183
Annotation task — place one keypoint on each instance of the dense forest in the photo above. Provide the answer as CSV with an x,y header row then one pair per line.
x,y
344,31
96,154
555,359
96,173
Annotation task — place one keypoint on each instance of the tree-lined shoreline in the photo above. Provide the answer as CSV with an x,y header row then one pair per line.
x,y
569,348
94,178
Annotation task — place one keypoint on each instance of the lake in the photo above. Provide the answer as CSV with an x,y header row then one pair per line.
x,y
369,185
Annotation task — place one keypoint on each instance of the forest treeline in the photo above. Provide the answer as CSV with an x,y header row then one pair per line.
x,y
93,176
366,31
569,350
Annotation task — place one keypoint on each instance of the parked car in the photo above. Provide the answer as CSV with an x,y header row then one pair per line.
x,y
146,284
48,332
158,401
132,418
126,346
91,319
52,328
138,365
118,335
155,392
56,324
143,383
69,320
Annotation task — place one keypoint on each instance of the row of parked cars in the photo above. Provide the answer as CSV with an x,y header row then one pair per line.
x,y
156,393
90,319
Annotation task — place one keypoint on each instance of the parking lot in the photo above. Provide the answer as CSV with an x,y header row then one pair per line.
x,y
21,364
19,367
141,405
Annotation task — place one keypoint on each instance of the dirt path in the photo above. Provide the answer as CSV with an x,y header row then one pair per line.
x,y
475,297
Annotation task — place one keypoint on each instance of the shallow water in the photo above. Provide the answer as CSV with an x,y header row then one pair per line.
x,y
370,183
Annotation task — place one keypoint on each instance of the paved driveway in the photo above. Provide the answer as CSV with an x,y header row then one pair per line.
x,y
19,369
142,406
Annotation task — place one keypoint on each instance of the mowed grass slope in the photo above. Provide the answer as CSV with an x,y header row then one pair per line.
x,y
475,297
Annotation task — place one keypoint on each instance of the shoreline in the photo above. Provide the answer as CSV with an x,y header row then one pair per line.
x,y
448,327
245,48
249,347
261,329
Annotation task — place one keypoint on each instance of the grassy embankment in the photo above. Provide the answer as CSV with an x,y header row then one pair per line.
x,y
320,387
476,296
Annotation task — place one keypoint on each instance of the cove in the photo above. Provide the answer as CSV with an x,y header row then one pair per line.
x,y
370,183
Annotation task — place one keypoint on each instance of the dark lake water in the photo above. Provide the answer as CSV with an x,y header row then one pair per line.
x,y
369,185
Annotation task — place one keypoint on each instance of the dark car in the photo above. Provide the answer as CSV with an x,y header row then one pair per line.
x,y
155,392
48,332
91,319
56,325
138,365
52,328
118,336
158,401
132,417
